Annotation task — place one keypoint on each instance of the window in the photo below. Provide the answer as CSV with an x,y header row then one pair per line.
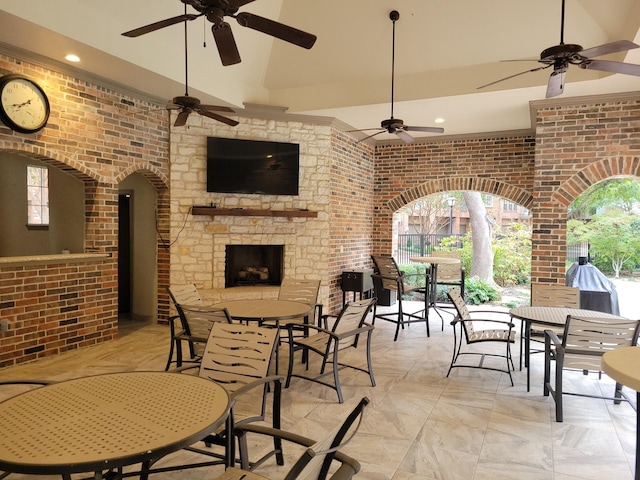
x,y
509,206
488,200
37,196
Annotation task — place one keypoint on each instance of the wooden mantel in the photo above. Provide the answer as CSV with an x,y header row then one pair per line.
x,y
250,212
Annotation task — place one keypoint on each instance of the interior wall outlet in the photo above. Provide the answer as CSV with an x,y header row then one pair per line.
x,y
4,325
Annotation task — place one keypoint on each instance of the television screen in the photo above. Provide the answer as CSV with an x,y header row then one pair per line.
x,y
251,166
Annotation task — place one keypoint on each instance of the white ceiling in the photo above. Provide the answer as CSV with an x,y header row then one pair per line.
x,y
445,49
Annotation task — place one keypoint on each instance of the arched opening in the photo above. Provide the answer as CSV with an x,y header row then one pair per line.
x,y
137,255
64,231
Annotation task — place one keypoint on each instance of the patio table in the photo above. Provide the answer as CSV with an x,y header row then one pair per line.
x,y
551,317
104,422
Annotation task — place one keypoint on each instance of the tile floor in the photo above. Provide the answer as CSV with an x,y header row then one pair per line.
x,y
420,425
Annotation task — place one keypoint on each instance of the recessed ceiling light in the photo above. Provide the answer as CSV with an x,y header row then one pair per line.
x,y
72,58
439,120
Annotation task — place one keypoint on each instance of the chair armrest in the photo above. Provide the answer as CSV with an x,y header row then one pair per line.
x,y
256,383
553,337
349,465
26,382
485,320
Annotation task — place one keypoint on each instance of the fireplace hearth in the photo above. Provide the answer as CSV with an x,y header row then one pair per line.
x,y
253,265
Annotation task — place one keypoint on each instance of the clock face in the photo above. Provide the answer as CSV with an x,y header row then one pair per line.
x,y
24,107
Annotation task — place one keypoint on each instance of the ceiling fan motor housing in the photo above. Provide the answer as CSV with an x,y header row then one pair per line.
x,y
569,52
186,101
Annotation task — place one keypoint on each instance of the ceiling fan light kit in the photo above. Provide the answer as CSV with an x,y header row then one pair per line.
x,y
561,56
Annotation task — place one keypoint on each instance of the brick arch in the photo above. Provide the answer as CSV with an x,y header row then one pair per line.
x,y
68,165
593,173
451,184
154,175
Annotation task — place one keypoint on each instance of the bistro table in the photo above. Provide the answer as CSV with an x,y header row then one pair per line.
x,y
623,365
551,317
432,289
104,422
262,310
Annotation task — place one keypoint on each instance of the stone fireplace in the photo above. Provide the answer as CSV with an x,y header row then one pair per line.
x,y
253,265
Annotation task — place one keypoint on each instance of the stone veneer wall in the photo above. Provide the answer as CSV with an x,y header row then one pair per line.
x,y
100,136
198,242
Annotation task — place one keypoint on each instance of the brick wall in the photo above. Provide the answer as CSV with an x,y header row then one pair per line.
x,y
577,146
500,165
99,136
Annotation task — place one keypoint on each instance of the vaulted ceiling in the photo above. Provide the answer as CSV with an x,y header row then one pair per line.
x,y
444,50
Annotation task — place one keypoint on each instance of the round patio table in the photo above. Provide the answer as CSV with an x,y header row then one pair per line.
x,y
104,422
623,365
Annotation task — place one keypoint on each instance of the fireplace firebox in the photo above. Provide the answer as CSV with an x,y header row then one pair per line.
x,y
253,265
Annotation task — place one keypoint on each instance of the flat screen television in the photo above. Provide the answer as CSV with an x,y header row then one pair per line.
x,y
252,166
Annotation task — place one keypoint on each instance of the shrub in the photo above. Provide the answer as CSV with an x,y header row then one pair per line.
x,y
477,292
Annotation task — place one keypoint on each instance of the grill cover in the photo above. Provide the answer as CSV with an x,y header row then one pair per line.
x,y
597,292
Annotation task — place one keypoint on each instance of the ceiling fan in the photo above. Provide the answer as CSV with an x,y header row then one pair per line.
x,y
396,125
188,104
561,56
215,11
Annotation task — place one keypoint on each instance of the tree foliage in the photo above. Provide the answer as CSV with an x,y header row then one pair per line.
x,y
623,193
613,235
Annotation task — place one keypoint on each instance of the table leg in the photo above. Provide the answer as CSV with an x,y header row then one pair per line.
x,y
637,473
527,351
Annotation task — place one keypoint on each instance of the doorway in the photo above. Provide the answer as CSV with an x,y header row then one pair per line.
x,y
124,255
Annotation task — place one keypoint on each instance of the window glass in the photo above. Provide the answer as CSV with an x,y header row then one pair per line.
x,y
37,195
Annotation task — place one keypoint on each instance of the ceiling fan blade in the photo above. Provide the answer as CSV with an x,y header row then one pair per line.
x,y
226,44
406,138
239,3
369,136
220,118
555,86
613,67
276,29
408,128
363,130
181,119
152,27
513,76
218,108
613,47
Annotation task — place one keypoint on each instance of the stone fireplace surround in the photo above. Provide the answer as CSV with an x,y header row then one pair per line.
x,y
199,254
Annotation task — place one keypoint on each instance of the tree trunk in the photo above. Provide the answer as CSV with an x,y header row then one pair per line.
x,y
481,236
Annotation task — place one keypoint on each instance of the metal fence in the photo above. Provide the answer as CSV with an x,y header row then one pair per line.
x,y
576,251
421,245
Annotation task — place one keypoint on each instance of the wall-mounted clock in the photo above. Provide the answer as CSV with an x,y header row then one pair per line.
x,y
24,107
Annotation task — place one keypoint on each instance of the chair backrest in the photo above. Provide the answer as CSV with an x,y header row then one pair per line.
x,y
196,318
554,296
236,354
387,268
351,317
315,462
303,291
462,311
587,339
449,272
186,294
